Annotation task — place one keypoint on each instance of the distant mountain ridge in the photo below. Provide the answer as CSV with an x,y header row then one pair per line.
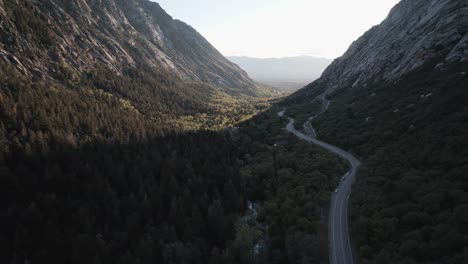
x,y
115,33
296,71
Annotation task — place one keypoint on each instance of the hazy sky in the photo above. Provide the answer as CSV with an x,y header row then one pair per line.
x,y
280,28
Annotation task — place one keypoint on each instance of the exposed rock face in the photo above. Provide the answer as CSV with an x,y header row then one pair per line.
x,y
119,34
416,32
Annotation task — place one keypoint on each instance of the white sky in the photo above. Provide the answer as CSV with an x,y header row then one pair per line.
x,y
280,28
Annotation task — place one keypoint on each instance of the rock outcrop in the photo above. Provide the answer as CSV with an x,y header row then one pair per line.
x,y
415,33
116,33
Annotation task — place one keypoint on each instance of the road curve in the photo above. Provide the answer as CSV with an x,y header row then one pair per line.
x,y
340,244
308,128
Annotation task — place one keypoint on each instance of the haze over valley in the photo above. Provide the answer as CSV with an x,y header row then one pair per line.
x,y
290,72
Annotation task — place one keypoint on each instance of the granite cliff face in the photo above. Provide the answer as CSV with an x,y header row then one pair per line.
x,y
415,33
116,33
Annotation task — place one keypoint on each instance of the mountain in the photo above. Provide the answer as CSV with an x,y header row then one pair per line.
x,y
105,155
108,154
414,34
132,51
398,102
290,72
408,134
118,34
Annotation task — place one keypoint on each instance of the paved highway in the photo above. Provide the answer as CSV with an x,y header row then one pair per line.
x,y
308,128
340,245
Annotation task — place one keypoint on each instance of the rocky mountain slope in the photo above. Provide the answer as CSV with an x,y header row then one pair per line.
x,y
104,107
116,33
414,33
398,101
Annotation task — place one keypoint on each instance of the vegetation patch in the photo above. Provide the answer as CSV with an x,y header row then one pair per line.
x,y
293,180
410,198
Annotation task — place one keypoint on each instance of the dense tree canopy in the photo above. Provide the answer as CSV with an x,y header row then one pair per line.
x,y
293,180
410,198
91,173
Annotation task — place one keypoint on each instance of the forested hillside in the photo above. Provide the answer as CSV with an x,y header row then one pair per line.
x,y
410,201
88,177
133,52
398,102
291,180
118,34
105,149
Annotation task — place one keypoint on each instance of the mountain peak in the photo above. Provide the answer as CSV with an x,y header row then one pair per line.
x,y
116,33
415,33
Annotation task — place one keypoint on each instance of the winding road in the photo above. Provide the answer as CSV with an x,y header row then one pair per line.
x,y
340,244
